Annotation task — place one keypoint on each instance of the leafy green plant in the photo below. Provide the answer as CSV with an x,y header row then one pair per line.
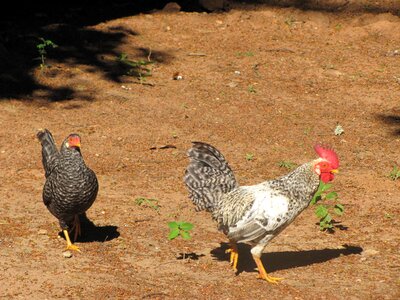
x,y
42,49
395,173
287,165
181,229
148,202
136,68
324,209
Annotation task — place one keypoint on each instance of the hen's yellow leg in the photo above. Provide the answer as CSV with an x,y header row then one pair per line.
x,y
70,246
234,257
262,273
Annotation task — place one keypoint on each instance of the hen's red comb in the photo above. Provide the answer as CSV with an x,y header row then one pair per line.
x,y
328,154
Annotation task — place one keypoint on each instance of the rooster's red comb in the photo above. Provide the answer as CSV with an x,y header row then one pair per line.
x,y
327,153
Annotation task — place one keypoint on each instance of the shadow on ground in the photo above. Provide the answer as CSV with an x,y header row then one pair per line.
x,y
375,7
93,233
393,120
275,261
64,24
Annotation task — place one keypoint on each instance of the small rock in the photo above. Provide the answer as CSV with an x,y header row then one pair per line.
x,y
232,84
171,7
42,232
338,129
67,254
370,252
177,76
334,73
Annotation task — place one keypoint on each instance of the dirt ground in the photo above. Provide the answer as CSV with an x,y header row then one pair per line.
x,y
262,79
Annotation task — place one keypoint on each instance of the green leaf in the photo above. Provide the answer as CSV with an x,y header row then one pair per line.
x,y
324,225
331,195
338,209
321,211
186,226
185,235
173,233
173,225
327,218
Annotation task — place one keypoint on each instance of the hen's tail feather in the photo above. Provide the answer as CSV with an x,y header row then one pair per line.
x,y
49,149
208,176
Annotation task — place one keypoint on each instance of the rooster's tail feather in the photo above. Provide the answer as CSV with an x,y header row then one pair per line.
x,y
208,176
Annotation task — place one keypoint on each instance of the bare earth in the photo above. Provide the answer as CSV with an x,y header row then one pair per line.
x,y
262,79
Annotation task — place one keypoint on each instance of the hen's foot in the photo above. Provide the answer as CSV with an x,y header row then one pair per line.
x,y
262,274
234,257
70,246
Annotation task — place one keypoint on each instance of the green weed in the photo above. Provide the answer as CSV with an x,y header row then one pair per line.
x,y
251,89
181,229
42,49
147,202
324,209
249,156
135,68
287,165
395,173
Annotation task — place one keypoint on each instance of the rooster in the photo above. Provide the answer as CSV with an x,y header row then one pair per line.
x,y
71,187
253,214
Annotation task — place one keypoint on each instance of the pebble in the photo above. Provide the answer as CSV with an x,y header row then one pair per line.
x,y
334,73
42,232
232,84
67,254
370,252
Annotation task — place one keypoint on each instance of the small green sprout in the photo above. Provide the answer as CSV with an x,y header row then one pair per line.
x,y
41,47
147,202
251,89
180,229
323,211
249,156
395,173
135,68
287,165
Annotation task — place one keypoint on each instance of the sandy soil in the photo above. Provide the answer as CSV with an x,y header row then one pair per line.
x,y
262,79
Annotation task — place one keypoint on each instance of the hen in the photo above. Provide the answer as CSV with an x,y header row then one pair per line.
x,y
253,214
70,187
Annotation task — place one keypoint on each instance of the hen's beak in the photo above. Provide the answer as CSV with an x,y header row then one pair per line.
x,y
335,171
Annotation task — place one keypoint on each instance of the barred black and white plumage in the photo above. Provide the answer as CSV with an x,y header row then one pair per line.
x,y
71,187
208,176
253,214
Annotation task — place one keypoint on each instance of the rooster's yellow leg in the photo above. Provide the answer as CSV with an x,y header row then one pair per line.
x,y
70,246
262,273
234,257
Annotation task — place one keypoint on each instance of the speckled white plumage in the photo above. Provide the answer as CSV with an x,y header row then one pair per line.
x,y
253,214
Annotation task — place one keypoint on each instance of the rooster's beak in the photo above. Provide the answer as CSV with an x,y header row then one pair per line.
x,y
335,171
